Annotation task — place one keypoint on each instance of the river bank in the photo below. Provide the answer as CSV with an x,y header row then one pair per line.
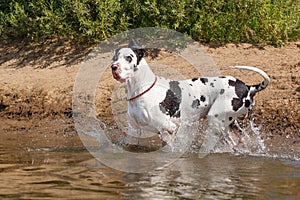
x,y
36,86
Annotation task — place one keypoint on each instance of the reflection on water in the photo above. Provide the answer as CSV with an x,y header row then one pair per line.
x,y
36,167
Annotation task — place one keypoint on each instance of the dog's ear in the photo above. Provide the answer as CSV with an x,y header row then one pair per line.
x,y
137,49
116,52
133,45
139,54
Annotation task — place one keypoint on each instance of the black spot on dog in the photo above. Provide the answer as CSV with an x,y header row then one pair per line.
x,y
230,118
139,54
191,84
212,84
241,90
247,103
170,105
196,103
231,83
222,91
204,80
216,115
202,98
236,103
194,79
257,87
222,76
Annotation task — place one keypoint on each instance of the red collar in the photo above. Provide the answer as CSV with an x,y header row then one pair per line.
x,y
137,96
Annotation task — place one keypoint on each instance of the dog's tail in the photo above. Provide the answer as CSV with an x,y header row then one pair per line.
x,y
256,88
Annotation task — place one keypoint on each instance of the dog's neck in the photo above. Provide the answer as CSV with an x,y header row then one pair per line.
x,y
143,78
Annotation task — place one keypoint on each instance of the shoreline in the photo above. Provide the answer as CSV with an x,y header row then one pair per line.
x,y
32,94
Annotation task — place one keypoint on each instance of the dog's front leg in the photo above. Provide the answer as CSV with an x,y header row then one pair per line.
x,y
134,133
168,133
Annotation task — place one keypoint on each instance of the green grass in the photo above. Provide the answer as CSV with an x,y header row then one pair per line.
x,y
222,21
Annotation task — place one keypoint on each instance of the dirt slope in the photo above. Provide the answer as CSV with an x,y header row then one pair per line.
x,y
36,85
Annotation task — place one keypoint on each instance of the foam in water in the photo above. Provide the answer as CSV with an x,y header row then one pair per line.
x,y
242,139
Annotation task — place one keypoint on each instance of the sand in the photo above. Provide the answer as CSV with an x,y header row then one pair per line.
x,y
36,86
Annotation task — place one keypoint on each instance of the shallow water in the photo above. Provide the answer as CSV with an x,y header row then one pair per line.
x,y
33,167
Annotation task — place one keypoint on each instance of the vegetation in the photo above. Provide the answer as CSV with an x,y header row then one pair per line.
x,y
255,21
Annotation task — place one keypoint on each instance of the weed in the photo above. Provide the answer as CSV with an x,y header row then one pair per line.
x,y
255,21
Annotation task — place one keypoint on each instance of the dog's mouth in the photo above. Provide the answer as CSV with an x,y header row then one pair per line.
x,y
116,71
117,76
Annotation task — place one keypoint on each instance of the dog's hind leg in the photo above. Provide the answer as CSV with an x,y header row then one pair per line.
x,y
217,134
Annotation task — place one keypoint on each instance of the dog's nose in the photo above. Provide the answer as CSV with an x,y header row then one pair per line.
x,y
114,67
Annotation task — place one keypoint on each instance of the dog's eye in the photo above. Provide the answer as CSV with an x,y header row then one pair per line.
x,y
128,58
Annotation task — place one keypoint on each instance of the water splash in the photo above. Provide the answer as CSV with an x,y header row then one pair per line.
x,y
245,138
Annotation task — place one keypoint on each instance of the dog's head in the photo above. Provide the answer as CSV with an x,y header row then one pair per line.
x,y
126,61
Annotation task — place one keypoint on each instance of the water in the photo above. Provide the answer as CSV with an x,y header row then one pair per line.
x,y
40,166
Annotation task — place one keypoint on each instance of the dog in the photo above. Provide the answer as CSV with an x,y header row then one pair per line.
x,y
160,105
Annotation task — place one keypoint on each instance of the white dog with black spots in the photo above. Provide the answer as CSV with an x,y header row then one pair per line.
x,y
160,105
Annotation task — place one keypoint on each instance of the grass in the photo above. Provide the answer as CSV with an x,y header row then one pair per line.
x,y
255,21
